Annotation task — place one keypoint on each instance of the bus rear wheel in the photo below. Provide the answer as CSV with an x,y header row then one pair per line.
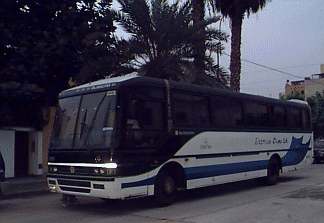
x,y
273,172
165,189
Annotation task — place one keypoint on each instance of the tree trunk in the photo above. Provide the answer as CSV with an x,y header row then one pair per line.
x,y
199,47
235,65
49,116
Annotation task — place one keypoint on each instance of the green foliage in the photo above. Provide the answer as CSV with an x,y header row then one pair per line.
x,y
316,103
295,95
45,43
162,39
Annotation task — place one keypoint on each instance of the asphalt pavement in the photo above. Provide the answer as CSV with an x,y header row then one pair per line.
x,y
299,197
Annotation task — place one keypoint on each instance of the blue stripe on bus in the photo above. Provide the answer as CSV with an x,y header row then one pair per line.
x,y
145,182
208,171
295,155
297,152
224,169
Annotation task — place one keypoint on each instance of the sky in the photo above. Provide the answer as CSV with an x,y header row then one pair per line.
x,y
287,35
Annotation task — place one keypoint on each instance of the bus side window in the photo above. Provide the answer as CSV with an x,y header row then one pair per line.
x,y
182,113
146,108
306,120
152,115
190,111
201,112
256,115
294,118
278,117
145,114
145,117
226,113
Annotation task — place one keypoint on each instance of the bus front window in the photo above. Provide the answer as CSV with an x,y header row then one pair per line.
x,y
85,122
66,116
96,121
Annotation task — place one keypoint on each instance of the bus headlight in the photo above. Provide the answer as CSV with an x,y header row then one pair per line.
x,y
53,188
110,165
105,171
52,169
111,172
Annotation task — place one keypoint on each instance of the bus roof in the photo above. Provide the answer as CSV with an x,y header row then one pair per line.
x,y
96,85
228,93
135,79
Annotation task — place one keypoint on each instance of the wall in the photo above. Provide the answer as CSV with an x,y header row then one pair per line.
x,y
7,148
291,89
312,86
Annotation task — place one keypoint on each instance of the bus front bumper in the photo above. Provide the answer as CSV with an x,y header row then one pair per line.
x,y
108,188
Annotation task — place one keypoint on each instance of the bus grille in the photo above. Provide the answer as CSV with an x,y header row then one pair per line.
x,y
74,183
73,189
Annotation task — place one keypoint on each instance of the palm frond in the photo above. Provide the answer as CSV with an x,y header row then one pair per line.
x,y
135,17
238,7
162,41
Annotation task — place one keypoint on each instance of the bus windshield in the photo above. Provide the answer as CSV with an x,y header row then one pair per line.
x,y
85,122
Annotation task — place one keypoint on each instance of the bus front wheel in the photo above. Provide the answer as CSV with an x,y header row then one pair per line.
x,y
273,172
165,189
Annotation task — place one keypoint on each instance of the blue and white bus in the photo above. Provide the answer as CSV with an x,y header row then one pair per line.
x,y
133,136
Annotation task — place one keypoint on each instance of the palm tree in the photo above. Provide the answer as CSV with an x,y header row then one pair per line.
x,y
198,15
236,11
162,39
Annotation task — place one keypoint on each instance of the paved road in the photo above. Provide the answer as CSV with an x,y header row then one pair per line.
x,y
299,197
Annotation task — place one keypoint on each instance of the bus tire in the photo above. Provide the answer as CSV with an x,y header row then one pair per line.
x,y
273,172
165,189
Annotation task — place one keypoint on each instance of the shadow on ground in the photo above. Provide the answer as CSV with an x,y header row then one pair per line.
x,y
119,207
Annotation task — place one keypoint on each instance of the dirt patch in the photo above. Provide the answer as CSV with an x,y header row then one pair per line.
x,y
315,193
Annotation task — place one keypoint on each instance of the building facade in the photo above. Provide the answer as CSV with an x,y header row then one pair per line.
x,y
22,151
295,88
305,88
314,84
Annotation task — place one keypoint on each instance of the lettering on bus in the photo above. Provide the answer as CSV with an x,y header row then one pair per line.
x,y
270,141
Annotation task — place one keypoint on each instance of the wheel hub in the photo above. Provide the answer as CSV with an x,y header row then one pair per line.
x,y
169,185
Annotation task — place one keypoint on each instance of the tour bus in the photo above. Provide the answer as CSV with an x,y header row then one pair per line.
x,y
134,136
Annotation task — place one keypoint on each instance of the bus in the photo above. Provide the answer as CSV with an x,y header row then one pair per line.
x,y
134,136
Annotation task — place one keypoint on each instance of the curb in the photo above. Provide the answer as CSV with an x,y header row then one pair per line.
x,y
23,195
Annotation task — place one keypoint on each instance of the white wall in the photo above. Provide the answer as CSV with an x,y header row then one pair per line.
x,y
7,148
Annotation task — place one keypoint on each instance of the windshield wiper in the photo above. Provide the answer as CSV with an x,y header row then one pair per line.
x,y
83,123
93,120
